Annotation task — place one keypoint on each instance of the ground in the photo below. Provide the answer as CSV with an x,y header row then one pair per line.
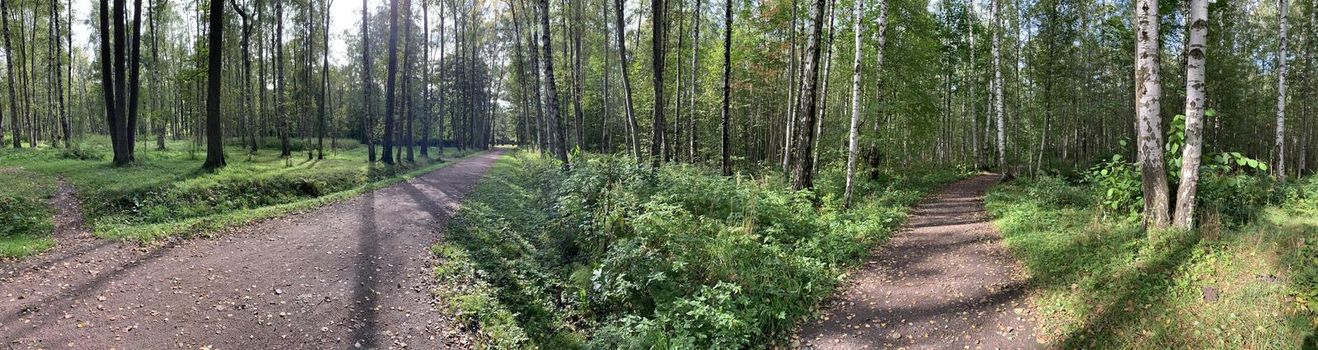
x,y
943,282
352,273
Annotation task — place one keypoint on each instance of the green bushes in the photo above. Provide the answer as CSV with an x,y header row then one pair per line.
x,y
182,200
614,255
23,216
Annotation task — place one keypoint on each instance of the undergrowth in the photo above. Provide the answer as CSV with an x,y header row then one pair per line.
x,y
166,193
1247,278
613,255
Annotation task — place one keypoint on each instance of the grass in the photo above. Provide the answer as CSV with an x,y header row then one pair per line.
x,y
1105,283
165,193
612,255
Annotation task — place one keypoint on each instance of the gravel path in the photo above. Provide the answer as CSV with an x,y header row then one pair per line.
x,y
944,282
355,274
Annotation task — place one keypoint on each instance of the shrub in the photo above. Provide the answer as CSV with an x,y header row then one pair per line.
x,y
23,216
616,255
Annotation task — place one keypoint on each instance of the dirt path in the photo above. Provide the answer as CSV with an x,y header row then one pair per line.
x,y
944,282
355,274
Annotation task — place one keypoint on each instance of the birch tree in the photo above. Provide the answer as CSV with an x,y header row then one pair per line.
x,y
1148,95
997,89
1195,95
802,174
727,88
853,133
1279,150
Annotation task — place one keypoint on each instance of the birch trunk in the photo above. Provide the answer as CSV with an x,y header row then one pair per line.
x,y
1148,94
727,87
803,174
853,133
551,89
634,137
1279,149
1194,115
997,89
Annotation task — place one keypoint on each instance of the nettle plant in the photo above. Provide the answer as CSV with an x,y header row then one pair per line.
x,y
1118,186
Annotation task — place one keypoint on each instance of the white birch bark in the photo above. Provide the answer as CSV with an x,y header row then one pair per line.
x,y
1194,115
853,134
1148,94
997,89
1280,148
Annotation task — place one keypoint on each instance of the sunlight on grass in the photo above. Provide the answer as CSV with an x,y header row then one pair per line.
x,y
1104,283
167,193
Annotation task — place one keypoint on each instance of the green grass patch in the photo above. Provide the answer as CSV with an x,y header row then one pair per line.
x,y
613,255
25,215
166,192
1100,282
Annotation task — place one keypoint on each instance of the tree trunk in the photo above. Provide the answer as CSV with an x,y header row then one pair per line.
x,y
853,133
802,175
408,111
551,88
632,126
9,71
389,94
214,133
792,96
1279,149
997,90
658,38
134,80
875,155
368,125
579,125
1148,94
1195,96
692,144
724,146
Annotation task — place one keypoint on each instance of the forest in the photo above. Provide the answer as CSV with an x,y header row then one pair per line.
x,y
659,174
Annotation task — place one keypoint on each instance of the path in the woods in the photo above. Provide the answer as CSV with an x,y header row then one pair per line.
x,y
352,274
943,282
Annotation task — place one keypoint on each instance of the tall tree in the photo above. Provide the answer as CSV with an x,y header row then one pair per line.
x,y
388,152
134,81
853,132
9,67
632,125
368,124
997,90
658,40
1195,95
803,175
551,88
214,131
1279,150
1148,95
324,80
692,143
724,147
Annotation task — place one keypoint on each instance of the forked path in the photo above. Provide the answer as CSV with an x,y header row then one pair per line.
x,y
944,282
355,274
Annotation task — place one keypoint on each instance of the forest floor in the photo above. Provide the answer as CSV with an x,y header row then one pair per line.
x,y
943,282
351,274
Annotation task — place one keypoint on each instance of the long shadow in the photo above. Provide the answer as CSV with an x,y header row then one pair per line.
x,y
1113,318
68,294
364,297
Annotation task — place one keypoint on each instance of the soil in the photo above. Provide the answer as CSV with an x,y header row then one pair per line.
x,y
354,274
944,282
